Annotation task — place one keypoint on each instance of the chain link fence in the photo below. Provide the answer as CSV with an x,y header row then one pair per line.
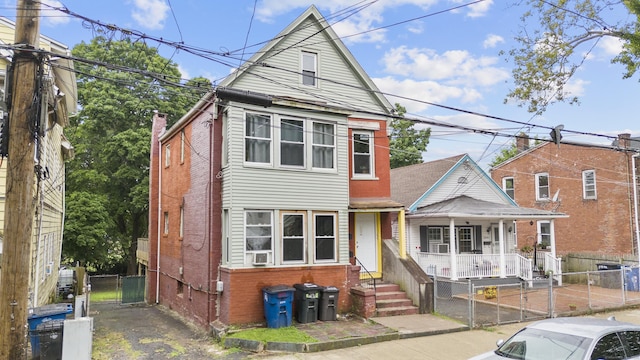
x,y
488,302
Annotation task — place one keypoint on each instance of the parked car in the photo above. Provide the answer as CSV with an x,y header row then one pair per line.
x,y
571,338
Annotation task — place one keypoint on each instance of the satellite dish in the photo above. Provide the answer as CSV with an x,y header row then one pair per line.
x,y
555,196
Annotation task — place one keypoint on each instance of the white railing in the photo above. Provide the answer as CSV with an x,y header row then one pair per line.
x,y
474,265
554,265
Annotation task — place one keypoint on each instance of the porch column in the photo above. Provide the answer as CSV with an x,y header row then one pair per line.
x,y
401,235
552,237
452,249
503,266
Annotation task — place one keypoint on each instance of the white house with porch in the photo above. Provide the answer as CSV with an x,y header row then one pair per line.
x,y
460,224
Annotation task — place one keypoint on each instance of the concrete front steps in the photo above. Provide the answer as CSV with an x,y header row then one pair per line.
x,y
391,301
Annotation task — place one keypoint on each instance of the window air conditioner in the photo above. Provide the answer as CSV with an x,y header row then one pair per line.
x,y
260,258
439,248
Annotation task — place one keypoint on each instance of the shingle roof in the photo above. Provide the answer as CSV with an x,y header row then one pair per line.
x,y
409,183
468,207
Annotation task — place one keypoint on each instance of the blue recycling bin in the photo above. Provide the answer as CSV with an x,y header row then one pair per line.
x,y
42,315
277,305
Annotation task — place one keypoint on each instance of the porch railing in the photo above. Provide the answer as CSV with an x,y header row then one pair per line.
x,y
474,265
553,265
366,278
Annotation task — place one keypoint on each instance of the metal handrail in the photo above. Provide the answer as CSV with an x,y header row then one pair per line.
x,y
367,274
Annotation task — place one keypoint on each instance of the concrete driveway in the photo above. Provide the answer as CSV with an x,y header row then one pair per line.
x,y
137,332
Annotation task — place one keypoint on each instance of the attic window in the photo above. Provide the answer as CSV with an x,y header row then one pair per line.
x,y
462,180
309,68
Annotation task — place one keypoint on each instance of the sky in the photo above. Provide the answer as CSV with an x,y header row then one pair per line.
x,y
442,52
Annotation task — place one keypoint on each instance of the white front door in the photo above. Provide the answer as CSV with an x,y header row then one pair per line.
x,y
367,241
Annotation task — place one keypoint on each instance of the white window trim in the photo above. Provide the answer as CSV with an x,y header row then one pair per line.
x,y
271,140
315,65
304,236
167,155
584,185
181,235
312,144
372,162
166,223
539,230
504,185
305,141
538,197
335,239
244,230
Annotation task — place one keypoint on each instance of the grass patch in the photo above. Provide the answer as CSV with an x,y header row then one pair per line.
x,y
288,334
106,345
104,296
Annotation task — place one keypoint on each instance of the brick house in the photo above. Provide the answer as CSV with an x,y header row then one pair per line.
x,y
594,185
279,176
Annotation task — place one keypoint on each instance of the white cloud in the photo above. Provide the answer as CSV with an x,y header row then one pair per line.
x,y
428,91
492,41
150,14
457,67
362,19
610,45
53,17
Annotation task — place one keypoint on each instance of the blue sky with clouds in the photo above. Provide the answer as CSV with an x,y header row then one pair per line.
x,y
434,51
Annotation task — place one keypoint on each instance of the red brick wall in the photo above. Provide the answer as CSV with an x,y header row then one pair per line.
x,y
380,188
241,302
190,261
594,226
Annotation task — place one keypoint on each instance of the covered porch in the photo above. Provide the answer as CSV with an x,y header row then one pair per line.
x,y
485,242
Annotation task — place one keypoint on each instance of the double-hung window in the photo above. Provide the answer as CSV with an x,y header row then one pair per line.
x,y
325,237
309,68
292,144
257,138
258,230
589,184
362,154
324,145
542,186
293,239
508,187
544,233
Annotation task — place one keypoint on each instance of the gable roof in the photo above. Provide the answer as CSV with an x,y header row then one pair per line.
x,y
409,183
467,207
276,46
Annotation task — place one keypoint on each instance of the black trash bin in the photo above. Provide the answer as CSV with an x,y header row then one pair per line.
x,y
328,303
50,340
306,297
608,278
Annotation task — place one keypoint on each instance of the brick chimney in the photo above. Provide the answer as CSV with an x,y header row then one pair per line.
x,y
522,142
624,141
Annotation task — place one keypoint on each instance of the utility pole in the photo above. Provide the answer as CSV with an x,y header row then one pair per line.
x,y
20,196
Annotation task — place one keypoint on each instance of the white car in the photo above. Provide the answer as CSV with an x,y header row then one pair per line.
x,y
571,338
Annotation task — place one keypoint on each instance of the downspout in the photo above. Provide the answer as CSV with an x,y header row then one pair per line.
x,y
212,150
159,221
635,201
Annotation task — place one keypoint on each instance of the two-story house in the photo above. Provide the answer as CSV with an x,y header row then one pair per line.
x,y
278,176
60,97
595,185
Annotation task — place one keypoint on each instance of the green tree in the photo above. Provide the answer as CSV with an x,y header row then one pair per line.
x,y
120,85
406,144
550,54
511,151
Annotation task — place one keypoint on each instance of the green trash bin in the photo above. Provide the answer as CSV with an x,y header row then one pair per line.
x,y
306,297
328,303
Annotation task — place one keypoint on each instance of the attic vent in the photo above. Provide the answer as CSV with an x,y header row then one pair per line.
x,y
462,180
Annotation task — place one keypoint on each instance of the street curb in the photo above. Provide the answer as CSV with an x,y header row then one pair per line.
x,y
257,346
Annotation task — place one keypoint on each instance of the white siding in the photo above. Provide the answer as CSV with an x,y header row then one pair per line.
x,y
248,187
341,85
478,186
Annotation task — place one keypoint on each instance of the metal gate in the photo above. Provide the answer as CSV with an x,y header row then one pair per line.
x,y
133,289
